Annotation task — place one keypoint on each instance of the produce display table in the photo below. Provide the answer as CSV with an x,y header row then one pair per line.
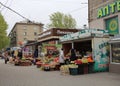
x,y
25,63
85,68
38,59
46,68
57,67
39,64
30,59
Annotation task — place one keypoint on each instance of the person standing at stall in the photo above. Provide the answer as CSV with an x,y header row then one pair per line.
x,y
6,56
12,53
15,53
61,57
35,55
73,55
20,54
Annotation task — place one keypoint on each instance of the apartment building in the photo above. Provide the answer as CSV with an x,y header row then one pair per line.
x,y
23,32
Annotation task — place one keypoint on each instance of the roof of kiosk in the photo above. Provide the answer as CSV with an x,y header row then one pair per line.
x,y
114,39
54,33
86,33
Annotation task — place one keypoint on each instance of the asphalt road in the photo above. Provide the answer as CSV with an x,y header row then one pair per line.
x,y
11,75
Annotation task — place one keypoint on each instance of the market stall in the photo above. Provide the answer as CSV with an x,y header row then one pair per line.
x,y
50,46
50,39
89,42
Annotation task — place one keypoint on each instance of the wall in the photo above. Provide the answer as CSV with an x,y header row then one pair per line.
x,y
114,68
94,5
29,30
17,33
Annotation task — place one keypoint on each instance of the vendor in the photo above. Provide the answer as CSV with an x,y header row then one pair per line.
x,y
35,55
73,55
61,57
20,54
79,56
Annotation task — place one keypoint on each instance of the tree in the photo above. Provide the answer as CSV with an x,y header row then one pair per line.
x,y
4,40
60,20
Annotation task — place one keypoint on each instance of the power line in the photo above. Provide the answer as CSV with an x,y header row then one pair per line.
x,y
77,9
15,12
2,8
8,6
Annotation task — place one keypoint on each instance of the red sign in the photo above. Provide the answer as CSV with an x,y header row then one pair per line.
x,y
52,42
51,47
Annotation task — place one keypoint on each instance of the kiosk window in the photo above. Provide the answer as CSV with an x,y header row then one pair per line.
x,y
115,50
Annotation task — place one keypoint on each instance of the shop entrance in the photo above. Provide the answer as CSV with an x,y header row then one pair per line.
x,y
83,47
80,46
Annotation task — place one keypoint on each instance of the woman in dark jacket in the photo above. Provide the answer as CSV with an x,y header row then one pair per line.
x,y
36,53
73,55
35,56
20,54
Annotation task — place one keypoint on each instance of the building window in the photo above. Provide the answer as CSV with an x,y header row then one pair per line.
x,y
14,33
25,39
115,51
35,33
24,27
25,33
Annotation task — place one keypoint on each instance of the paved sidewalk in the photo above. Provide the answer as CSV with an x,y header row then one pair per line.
x,y
11,75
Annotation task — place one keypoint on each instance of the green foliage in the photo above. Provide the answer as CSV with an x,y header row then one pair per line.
x,y
4,40
60,20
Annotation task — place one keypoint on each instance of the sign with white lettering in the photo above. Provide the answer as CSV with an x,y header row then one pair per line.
x,y
63,32
45,34
83,34
56,32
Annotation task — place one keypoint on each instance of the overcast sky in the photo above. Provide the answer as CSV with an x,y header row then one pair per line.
x,y
39,10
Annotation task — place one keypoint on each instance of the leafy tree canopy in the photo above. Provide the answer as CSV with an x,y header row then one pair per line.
x,y
4,40
60,20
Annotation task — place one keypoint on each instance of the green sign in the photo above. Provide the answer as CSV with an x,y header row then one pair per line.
x,y
84,34
112,25
56,45
109,9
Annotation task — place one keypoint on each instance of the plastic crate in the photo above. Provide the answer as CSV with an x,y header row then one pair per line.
x,y
80,69
90,67
73,71
47,68
85,68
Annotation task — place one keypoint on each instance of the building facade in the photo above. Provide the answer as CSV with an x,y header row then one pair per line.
x,y
105,14
23,32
